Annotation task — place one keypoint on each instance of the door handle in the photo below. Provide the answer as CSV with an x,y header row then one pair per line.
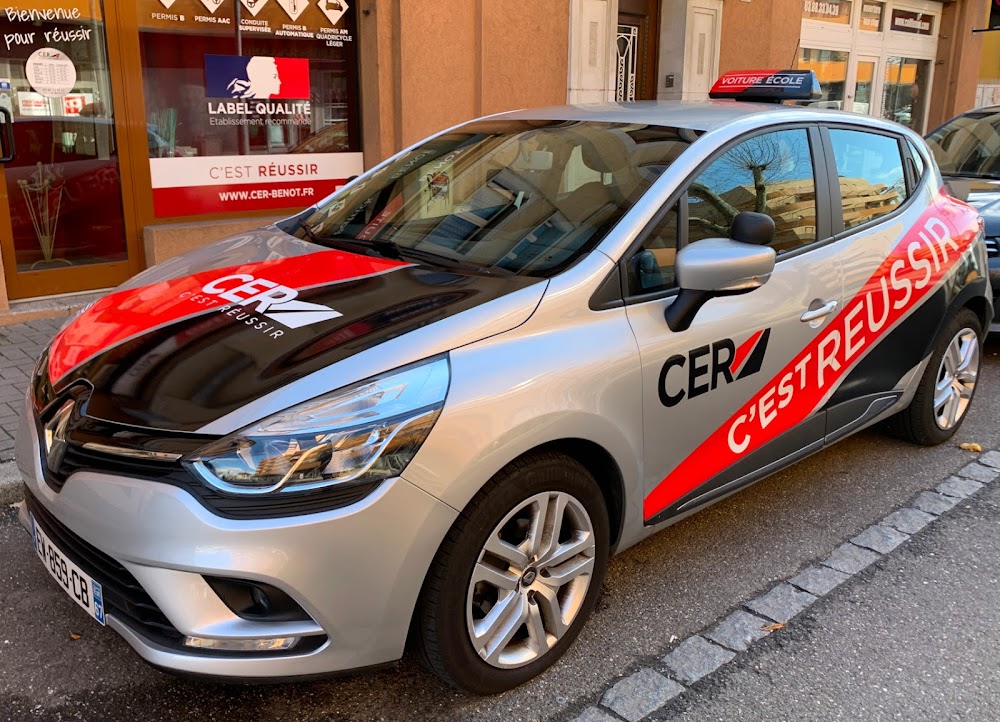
x,y
817,313
7,140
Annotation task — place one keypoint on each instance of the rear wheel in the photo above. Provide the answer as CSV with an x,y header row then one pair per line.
x,y
947,386
516,577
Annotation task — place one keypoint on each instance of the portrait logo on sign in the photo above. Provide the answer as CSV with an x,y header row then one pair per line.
x,y
256,77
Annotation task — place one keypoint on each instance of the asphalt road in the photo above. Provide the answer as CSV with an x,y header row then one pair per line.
x,y
672,585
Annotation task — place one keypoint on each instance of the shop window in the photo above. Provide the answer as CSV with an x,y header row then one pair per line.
x,y
63,188
872,16
830,11
254,104
870,171
770,173
830,67
903,96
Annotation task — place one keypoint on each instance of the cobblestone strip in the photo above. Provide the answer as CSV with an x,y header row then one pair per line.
x,y
648,689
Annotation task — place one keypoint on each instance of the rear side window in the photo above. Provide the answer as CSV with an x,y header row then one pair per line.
x,y
770,173
870,172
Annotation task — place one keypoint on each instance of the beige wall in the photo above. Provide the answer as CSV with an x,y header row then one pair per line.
x,y
958,58
760,34
428,64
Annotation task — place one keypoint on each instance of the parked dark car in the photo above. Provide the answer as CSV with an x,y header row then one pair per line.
x,y
967,150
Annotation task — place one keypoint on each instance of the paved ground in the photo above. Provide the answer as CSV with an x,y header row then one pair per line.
x,y
885,645
20,345
914,638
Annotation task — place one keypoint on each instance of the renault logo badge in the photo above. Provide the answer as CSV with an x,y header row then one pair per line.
x,y
55,436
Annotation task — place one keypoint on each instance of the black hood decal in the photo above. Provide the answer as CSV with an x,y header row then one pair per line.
x,y
181,374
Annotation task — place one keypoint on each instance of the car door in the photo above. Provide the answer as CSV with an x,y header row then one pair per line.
x,y
874,203
734,396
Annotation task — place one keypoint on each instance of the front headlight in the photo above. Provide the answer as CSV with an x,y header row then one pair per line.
x,y
362,433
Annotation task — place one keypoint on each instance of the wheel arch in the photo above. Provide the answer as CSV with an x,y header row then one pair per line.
x,y
602,466
979,304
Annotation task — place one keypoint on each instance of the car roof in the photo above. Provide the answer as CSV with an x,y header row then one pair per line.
x,y
697,115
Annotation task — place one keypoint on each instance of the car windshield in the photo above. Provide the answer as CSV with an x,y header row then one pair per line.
x,y
525,197
969,145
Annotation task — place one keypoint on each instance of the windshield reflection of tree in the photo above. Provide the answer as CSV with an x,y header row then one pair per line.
x,y
743,178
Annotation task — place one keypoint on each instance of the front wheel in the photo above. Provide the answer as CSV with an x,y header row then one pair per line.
x,y
516,577
949,382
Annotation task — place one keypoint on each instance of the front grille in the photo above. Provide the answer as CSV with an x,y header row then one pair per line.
x,y
993,247
78,458
124,597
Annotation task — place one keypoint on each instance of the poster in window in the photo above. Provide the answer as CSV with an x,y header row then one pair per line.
x,y
830,11
255,103
871,16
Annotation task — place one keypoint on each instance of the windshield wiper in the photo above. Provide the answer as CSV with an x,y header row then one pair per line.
x,y
384,248
391,249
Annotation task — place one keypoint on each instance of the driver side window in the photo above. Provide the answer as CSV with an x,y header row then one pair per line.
x,y
770,173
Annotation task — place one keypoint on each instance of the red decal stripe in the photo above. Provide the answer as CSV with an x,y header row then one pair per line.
x,y
744,350
911,271
198,199
738,81
124,314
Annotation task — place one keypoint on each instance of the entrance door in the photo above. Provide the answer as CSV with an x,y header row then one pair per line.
x,y
638,47
63,223
867,97
701,52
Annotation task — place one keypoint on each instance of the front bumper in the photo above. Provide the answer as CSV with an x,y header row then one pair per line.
x,y
356,571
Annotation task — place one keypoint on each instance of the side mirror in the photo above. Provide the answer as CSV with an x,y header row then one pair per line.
x,y
716,267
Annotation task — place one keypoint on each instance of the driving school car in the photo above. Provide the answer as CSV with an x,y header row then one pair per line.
x,y
429,408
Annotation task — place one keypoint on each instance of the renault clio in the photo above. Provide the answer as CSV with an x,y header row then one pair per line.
x,y
427,409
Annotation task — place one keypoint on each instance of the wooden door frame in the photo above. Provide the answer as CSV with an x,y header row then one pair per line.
x,y
99,275
648,62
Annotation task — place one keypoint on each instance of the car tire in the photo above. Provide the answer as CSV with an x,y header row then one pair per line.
x,y
503,600
941,402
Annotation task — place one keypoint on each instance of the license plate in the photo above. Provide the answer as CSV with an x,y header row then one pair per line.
x,y
80,587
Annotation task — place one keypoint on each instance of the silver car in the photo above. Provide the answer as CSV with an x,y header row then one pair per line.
x,y
426,410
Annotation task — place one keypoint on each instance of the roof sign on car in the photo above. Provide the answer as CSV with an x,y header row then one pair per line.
x,y
767,86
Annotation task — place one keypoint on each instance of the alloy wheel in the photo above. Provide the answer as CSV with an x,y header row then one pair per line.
x,y
956,379
530,580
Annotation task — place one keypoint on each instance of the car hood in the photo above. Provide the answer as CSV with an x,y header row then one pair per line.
x,y
265,320
983,195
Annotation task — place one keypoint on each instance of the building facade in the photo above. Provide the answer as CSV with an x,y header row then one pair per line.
x,y
135,129
988,92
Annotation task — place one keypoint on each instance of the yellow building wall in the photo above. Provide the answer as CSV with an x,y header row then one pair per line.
x,y
989,68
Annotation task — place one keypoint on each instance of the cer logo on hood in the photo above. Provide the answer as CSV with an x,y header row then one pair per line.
x,y
272,300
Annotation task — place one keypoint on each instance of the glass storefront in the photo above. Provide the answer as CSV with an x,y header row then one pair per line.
x,y
872,56
830,67
63,185
126,113
902,99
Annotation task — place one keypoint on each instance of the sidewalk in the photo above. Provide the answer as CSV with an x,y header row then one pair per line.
x,y
20,345
915,637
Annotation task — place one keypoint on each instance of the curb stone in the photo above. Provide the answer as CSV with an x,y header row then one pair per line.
x,y
645,691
